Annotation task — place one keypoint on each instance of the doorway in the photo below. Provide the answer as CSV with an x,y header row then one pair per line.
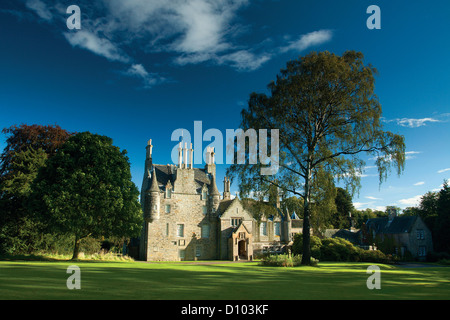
x,y
242,250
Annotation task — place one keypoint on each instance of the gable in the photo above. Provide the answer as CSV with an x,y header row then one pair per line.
x,y
234,209
241,228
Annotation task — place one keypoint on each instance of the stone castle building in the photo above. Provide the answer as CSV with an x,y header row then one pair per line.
x,y
186,218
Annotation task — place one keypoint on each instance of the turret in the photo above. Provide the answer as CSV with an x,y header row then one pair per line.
x,y
154,197
214,195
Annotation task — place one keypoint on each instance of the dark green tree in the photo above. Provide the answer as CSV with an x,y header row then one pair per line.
x,y
27,148
86,190
327,114
442,229
19,232
344,207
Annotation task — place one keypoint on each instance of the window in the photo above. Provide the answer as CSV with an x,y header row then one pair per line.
x,y
263,228
205,209
181,254
167,229
205,231
167,208
422,252
204,195
235,222
168,193
198,251
276,227
180,230
420,234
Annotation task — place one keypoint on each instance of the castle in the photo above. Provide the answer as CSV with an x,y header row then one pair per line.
x,y
186,218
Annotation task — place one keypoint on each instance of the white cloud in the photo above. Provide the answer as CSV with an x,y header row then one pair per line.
x,y
187,32
372,198
411,202
244,60
40,8
361,205
408,156
443,170
308,40
413,123
420,183
139,71
380,208
100,46
411,154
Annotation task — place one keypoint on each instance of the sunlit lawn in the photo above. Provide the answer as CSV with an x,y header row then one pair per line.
x,y
230,281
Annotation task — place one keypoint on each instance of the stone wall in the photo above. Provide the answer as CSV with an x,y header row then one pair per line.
x,y
177,234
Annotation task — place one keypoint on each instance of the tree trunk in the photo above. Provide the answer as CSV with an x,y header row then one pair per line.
x,y
306,258
76,249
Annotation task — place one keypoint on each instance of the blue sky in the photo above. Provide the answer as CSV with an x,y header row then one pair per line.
x,y
138,70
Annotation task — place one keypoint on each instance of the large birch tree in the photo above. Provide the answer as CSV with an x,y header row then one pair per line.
x,y
328,117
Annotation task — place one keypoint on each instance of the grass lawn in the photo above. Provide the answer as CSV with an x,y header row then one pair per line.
x,y
227,281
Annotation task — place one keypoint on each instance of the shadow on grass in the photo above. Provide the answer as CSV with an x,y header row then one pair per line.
x,y
245,281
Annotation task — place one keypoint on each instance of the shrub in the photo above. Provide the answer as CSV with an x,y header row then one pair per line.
x,y
316,244
373,256
445,262
284,260
338,249
437,256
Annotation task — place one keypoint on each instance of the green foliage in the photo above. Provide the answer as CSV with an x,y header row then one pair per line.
x,y
442,229
359,217
86,190
316,244
20,138
338,249
293,204
344,207
284,260
27,148
259,208
375,256
327,114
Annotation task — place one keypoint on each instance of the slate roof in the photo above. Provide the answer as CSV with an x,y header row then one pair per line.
x,y
223,205
353,237
397,225
166,173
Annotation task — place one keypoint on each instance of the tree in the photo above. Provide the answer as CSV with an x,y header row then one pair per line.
x,y
428,209
327,114
27,148
344,207
18,230
20,138
442,228
86,190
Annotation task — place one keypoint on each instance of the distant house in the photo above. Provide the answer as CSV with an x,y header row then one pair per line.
x,y
399,235
354,236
